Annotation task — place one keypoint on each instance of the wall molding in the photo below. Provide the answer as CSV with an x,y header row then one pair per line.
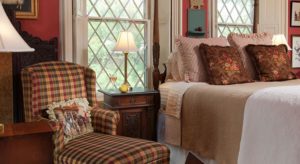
x,y
66,30
176,22
273,17
287,20
212,17
80,33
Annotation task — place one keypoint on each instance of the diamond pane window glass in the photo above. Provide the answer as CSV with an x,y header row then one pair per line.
x,y
107,18
131,9
235,16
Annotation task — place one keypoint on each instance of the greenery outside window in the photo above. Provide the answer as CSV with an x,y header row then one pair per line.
x,y
235,16
106,19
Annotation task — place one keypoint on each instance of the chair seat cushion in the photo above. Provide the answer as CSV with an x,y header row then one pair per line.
x,y
106,149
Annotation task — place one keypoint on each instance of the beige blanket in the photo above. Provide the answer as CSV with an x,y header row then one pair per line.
x,y
171,96
212,118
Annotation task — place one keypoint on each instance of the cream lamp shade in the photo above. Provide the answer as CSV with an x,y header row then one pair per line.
x,y
280,39
125,43
10,40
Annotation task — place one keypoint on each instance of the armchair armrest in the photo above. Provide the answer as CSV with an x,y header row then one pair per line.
x,y
105,121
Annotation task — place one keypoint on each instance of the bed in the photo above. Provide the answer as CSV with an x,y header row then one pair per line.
x,y
248,122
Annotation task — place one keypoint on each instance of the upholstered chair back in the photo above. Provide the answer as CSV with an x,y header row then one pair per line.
x,y
55,81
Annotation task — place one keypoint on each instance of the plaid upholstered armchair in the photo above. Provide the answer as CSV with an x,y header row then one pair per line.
x,y
49,82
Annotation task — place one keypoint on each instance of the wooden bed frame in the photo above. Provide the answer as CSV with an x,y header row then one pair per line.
x,y
157,76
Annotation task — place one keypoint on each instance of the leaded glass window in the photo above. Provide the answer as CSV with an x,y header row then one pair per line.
x,y
107,18
234,16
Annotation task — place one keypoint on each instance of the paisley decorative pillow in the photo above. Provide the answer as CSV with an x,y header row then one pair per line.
x,y
73,115
224,65
240,41
272,62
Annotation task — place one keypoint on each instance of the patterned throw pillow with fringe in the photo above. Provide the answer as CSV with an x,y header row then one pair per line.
x,y
74,116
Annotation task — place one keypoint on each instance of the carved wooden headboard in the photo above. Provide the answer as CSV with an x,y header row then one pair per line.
x,y
44,51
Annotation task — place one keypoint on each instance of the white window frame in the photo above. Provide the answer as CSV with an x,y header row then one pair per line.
x,y
74,42
147,22
176,26
212,14
66,30
284,26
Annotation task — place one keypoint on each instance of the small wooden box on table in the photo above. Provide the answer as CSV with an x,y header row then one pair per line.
x,y
137,109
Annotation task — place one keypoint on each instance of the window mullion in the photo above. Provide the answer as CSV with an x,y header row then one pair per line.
x,y
117,19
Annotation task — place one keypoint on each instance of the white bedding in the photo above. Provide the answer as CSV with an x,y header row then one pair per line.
x,y
270,132
271,129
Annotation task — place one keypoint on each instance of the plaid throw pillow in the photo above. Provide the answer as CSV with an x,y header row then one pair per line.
x,y
73,115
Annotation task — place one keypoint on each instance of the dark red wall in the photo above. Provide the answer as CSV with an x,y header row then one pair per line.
x,y
293,31
47,24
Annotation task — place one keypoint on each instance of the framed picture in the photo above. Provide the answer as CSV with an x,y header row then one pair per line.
x,y
295,14
28,10
295,51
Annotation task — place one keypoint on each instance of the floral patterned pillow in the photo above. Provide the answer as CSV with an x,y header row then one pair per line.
x,y
272,62
73,115
224,65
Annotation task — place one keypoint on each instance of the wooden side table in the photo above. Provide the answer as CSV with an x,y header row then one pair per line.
x,y
27,143
137,109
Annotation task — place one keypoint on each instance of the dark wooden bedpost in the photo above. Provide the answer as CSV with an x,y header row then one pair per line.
x,y
156,48
256,16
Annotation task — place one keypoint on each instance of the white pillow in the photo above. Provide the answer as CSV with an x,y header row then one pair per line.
x,y
175,67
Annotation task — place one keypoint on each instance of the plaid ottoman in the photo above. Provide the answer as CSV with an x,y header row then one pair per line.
x,y
107,149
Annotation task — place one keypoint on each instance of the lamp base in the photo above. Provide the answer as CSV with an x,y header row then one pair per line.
x,y
125,87
1,128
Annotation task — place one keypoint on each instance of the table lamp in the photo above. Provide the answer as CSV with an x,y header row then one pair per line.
x,y
125,44
280,39
10,41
